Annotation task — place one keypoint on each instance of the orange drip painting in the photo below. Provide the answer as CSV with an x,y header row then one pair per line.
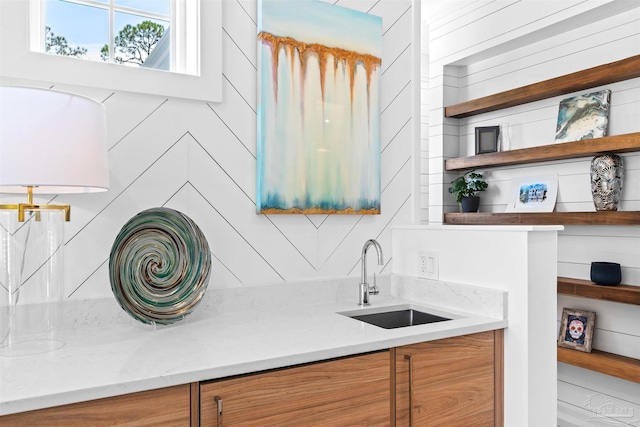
x,y
318,147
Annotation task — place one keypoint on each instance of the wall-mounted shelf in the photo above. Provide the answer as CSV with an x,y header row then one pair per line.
x,y
545,218
623,367
626,294
629,68
592,77
567,150
613,72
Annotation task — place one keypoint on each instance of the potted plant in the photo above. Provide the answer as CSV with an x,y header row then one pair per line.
x,y
465,188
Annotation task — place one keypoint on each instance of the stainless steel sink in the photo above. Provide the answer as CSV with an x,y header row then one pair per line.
x,y
396,317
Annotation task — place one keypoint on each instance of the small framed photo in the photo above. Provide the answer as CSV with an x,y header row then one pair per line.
x,y
487,139
576,329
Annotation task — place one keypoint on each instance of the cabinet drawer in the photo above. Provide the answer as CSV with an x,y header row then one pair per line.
x,y
166,407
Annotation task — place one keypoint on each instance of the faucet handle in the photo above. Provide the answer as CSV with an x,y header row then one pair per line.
x,y
373,290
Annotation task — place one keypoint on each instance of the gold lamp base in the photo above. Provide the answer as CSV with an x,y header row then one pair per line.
x,y
30,207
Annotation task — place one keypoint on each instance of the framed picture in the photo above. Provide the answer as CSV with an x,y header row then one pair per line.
x,y
533,194
487,139
576,329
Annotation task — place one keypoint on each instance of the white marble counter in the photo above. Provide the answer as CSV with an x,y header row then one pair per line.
x,y
236,334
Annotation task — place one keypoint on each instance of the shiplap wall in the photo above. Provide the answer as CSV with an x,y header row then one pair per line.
x,y
200,158
424,116
482,47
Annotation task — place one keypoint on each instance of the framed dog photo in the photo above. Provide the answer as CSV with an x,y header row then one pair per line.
x,y
487,139
576,329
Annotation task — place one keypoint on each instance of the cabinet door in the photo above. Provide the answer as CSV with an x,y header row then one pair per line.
x,y
353,391
449,382
166,407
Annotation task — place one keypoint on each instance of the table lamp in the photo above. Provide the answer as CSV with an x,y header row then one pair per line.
x,y
51,142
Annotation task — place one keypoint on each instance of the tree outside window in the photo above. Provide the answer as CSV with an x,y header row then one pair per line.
x,y
81,29
58,45
134,44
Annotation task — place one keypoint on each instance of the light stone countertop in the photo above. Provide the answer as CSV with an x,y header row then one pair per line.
x,y
238,332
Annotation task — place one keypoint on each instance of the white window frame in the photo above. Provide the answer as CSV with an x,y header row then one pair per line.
x,y
17,60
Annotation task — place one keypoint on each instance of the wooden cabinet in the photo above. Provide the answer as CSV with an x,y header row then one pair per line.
x,y
352,391
166,407
450,382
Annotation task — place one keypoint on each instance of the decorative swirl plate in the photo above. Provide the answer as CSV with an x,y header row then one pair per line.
x,y
159,266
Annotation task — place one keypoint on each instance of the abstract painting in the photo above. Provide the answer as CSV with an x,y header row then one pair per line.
x,y
318,136
583,117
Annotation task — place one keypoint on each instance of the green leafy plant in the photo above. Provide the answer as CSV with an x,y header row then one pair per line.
x,y
467,185
134,44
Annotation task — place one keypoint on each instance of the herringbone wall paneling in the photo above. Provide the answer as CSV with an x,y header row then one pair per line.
x,y
200,158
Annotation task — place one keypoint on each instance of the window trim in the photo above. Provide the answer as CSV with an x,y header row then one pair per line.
x,y
18,61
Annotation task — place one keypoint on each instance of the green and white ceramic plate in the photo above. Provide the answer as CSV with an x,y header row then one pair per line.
x,y
159,266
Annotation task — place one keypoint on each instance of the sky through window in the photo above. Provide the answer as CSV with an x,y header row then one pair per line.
x,y
87,25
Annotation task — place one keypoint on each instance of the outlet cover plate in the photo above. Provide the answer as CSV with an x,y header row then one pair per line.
x,y
428,264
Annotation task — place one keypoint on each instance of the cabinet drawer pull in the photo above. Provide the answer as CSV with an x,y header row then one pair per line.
x,y
409,358
218,401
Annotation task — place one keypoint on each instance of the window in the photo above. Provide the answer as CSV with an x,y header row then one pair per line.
x,y
85,42
129,32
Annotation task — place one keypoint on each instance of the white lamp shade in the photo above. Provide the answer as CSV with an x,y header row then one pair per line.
x,y
53,141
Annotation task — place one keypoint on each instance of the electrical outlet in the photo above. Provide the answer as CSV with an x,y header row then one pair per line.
x,y
428,264
422,264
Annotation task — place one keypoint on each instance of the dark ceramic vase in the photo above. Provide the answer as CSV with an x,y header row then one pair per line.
x,y
470,204
606,273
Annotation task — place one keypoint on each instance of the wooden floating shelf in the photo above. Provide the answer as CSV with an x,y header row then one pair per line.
x,y
545,218
623,367
567,150
626,294
613,72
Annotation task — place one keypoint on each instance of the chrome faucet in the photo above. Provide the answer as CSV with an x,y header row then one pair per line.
x,y
365,290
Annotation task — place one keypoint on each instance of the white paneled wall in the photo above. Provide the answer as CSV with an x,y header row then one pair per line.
x,y
200,158
481,47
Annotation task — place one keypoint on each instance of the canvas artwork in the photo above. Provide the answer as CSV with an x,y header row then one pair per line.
x,y
318,141
583,117
533,194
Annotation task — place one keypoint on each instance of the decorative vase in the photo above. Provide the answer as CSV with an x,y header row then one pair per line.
x,y
504,137
606,181
606,273
470,204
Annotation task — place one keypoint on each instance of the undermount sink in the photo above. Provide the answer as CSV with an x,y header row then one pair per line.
x,y
396,317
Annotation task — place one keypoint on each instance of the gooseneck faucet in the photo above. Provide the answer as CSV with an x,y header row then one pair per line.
x,y
365,290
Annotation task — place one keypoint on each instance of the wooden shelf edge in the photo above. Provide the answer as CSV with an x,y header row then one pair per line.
x,y
566,150
626,294
615,365
613,72
545,218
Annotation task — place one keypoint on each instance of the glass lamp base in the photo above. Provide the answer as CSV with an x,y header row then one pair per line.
x,y
31,282
30,347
